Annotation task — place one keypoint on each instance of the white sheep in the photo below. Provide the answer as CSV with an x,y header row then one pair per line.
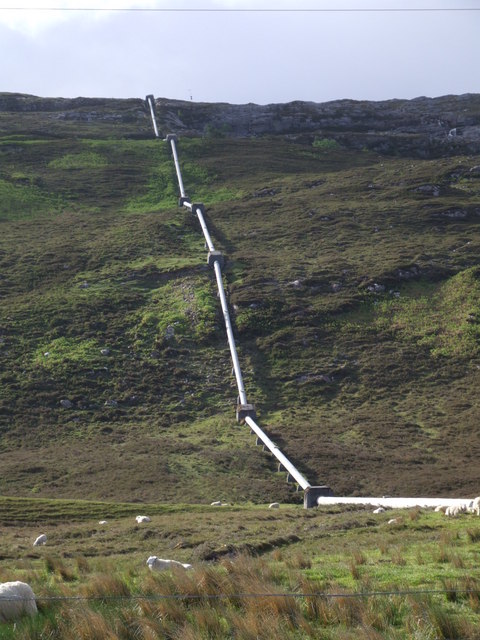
x,y
42,539
140,519
379,510
455,510
159,564
476,506
218,503
102,522
274,505
441,507
16,599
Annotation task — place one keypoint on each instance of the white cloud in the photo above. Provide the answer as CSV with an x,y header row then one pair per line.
x,y
31,17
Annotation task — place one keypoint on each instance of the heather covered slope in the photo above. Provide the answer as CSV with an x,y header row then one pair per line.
x,y
353,279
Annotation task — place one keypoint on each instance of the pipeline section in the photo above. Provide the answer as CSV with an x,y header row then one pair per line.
x,y
245,411
285,462
151,103
397,503
231,340
313,496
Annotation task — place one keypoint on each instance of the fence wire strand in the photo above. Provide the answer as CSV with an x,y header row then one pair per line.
x,y
225,596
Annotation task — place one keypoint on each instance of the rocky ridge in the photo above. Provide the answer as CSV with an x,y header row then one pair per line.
x,y
424,126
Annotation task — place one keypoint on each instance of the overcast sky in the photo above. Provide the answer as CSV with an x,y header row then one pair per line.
x,y
220,52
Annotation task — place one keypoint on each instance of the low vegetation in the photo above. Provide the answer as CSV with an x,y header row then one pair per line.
x,y
324,573
353,284
353,281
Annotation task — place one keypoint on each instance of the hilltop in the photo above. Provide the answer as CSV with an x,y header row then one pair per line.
x,y
351,236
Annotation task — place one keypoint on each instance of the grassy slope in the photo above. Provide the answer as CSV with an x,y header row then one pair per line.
x,y
364,390
325,550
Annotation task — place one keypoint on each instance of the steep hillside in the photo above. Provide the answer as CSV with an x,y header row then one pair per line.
x,y
354,282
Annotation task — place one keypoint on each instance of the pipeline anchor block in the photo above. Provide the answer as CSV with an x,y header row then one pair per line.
x,y
182,200
215,256
311,494
171,136
198,205
244,411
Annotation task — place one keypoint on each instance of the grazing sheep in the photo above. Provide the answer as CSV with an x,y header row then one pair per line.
x,y
274,505
102,522
16,599
379,510
455,510
441,507
159,564
476,506
40,540
395,521
143,519
218,503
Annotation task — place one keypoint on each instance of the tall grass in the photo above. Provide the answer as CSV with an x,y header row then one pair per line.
x,y
244,598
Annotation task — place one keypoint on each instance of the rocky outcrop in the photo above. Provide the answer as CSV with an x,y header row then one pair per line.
x,y
427,126
423,126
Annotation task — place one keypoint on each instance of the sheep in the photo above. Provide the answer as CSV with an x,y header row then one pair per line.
x,y
143,519
274,505
379,510
455,510
441,507
159,564
102,522
218,503
16,599
476,506
42,539
394,521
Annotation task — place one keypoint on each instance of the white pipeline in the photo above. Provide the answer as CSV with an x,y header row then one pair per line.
x,y
231,340
177,167
396,503
285,462
152,113
201,219
242,396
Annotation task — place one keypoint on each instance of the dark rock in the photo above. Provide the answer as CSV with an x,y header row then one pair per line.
x,y
376,288
428,190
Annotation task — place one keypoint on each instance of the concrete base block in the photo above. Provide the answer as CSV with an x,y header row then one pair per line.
x,y
171,136
198,205
244,411
150,98
215,256
312,493
182,200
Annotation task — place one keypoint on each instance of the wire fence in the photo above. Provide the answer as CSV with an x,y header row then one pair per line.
x,y
257,595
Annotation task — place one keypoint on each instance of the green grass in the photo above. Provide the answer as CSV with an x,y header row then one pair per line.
x,y
444,318
349,379
351,573
82,160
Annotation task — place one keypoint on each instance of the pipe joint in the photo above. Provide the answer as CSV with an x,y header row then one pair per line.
x,y
311,494
215,256
244,411
198,205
